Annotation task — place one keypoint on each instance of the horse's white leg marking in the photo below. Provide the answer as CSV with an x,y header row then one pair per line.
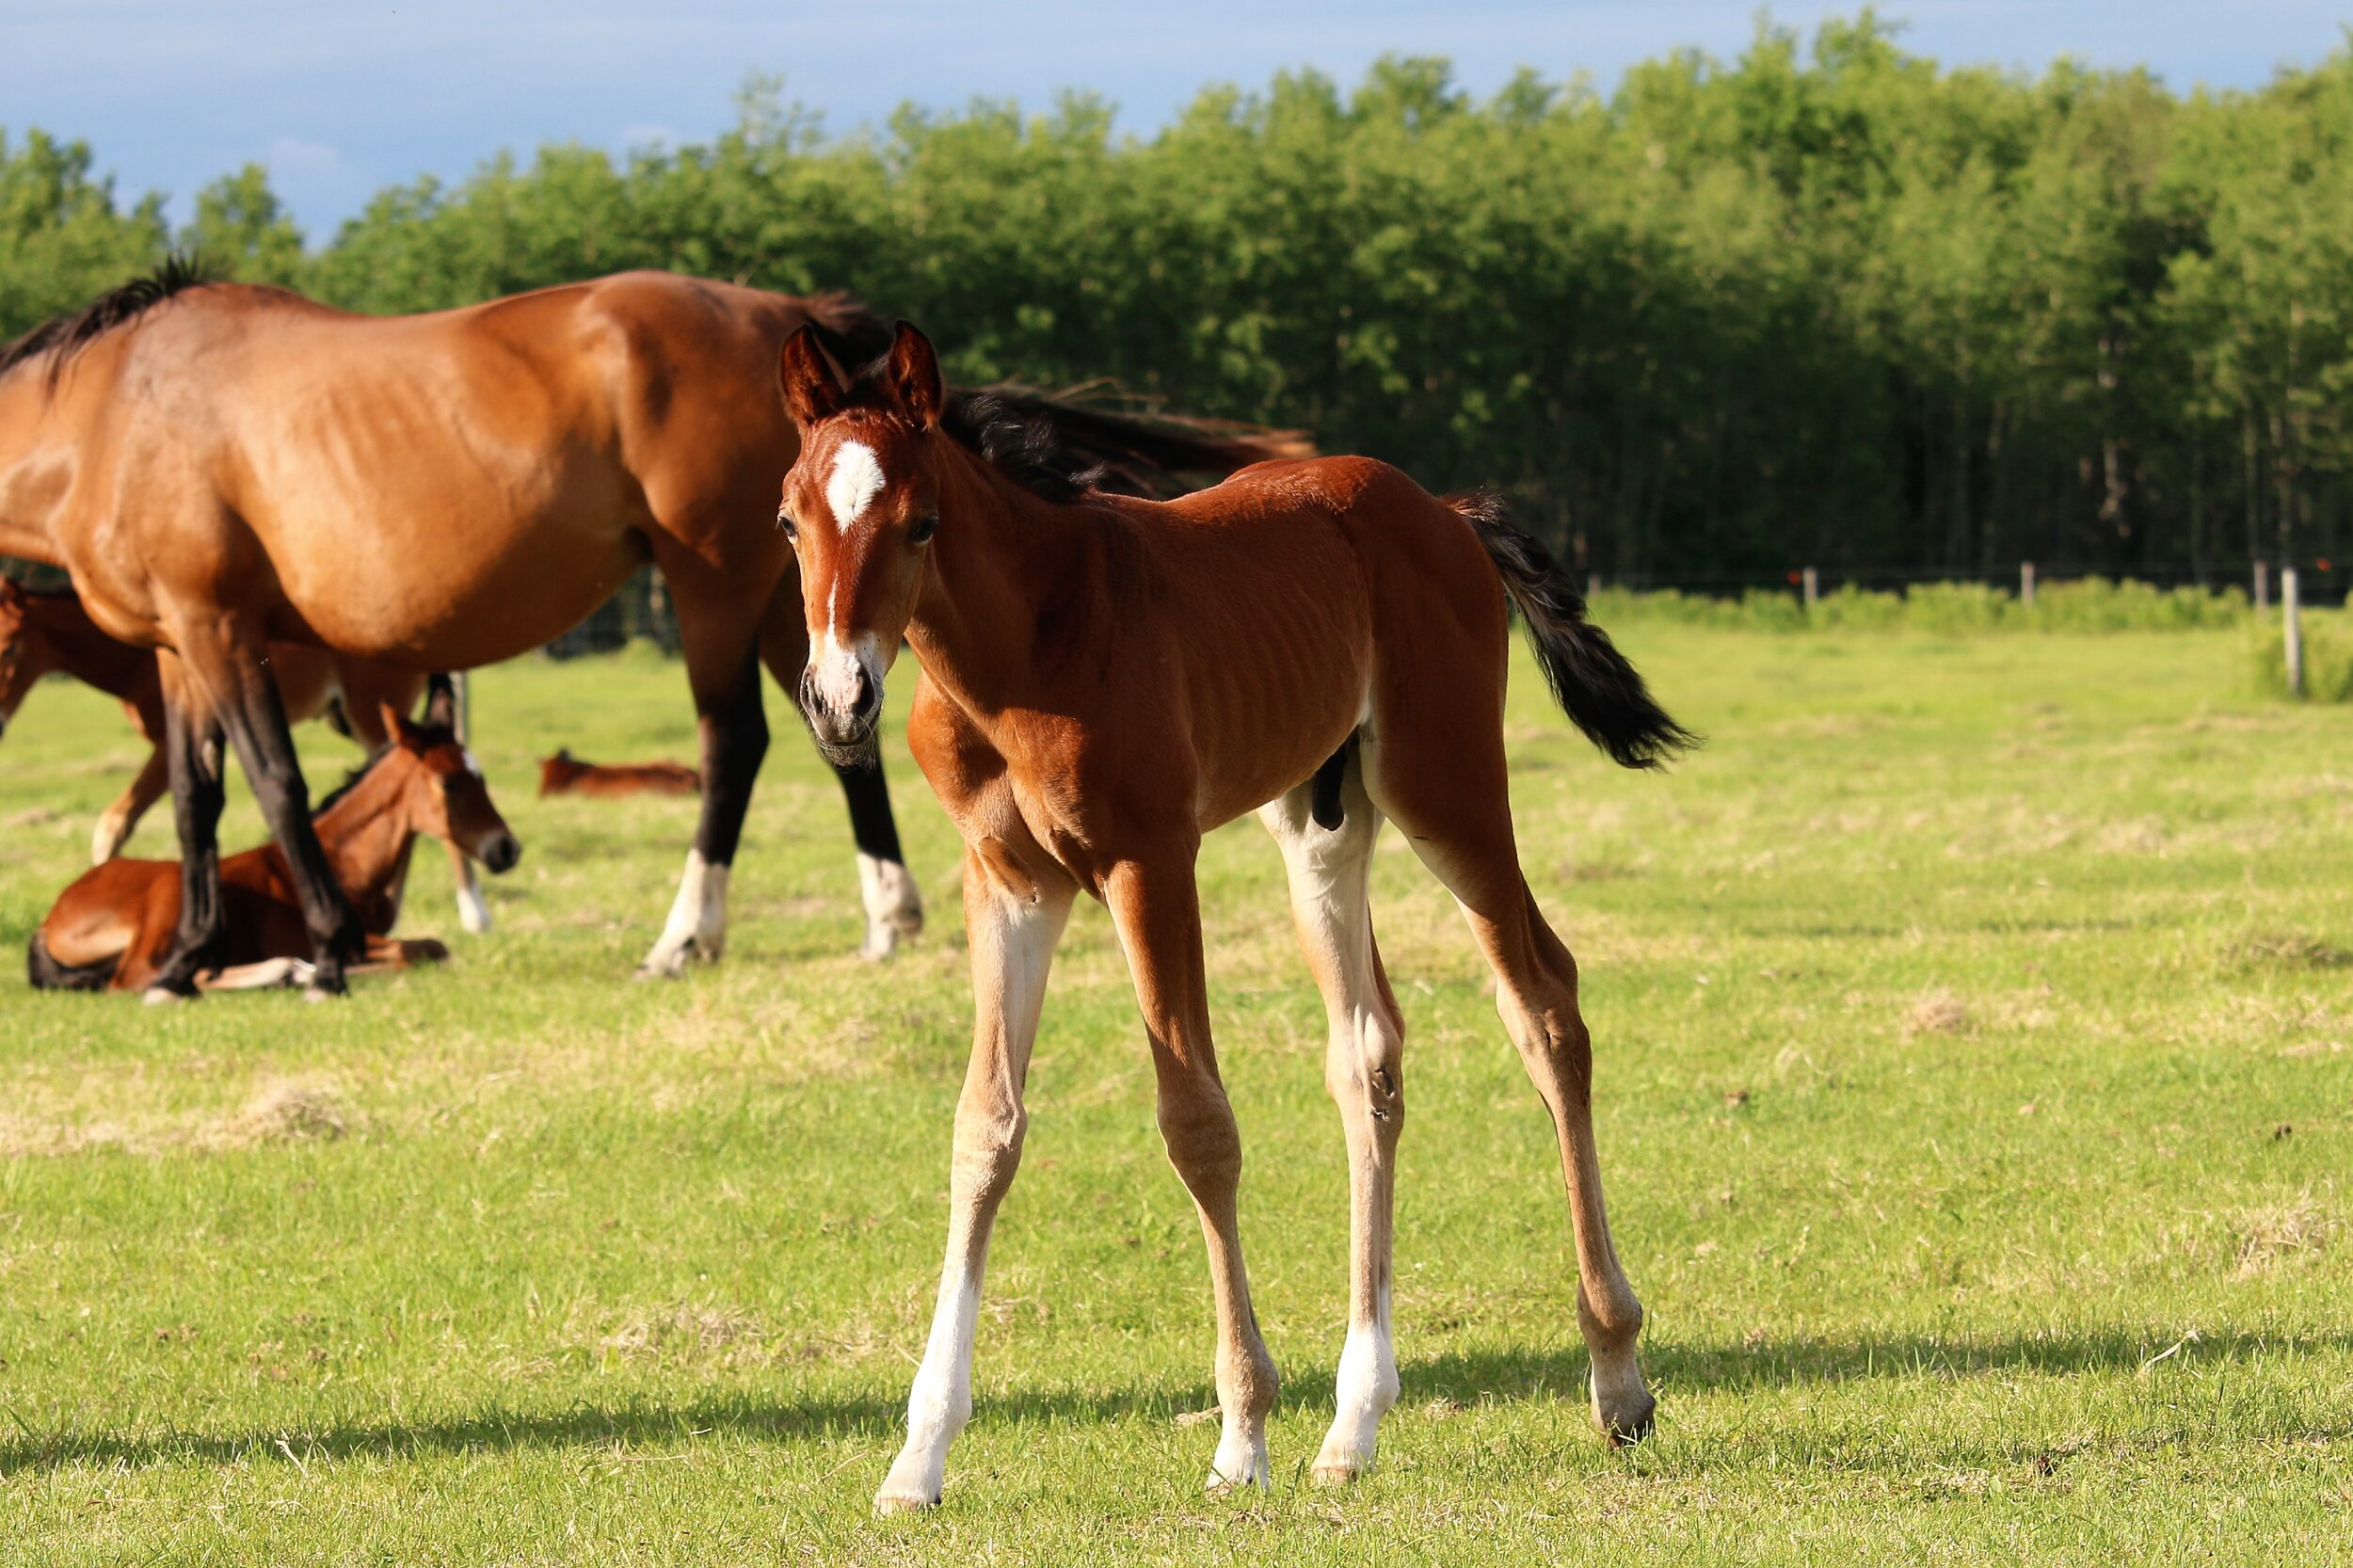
x,y
698,927
473,910
1330,873
112,832
893,907
1012,946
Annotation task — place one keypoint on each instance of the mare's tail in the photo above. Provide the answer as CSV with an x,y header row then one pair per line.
x,y
46,975
1602,694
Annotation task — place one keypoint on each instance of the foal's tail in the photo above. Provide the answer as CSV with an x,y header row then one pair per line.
x,y
1602,694
45,974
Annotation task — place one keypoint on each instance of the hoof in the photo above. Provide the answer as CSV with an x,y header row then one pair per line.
x,y
1337,1473
164,995
889,1504
1631,1426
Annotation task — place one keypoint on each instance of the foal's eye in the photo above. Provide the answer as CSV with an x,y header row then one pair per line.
x,y
922,528
784,521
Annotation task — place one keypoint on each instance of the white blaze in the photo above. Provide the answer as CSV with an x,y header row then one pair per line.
x,y
857,479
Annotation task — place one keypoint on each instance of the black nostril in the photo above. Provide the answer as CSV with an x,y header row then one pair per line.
x,y
502,855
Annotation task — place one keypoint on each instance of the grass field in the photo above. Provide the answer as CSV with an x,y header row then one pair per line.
x,y
1975,1093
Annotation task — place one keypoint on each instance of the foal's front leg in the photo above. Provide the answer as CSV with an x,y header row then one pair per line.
x,y
1158,910
1012,930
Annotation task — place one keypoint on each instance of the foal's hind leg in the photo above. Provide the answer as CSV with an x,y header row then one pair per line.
x,y
1441,775
1363,1067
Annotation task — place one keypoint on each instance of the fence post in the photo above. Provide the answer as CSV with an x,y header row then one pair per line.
x,y
2262,584
2289,616
1812,589
2025,583
461,687
1592,587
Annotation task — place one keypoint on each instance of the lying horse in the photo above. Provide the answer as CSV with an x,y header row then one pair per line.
x,y
46,633
567,775
1106,679
112,929
221,465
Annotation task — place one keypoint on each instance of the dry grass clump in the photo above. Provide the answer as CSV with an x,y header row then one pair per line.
x,y
1935,1012
685,1326
2298,1228
2292,949
283,1112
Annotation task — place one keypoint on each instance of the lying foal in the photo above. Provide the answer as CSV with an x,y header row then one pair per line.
x,y
567,775
112,928
1104,680
41,633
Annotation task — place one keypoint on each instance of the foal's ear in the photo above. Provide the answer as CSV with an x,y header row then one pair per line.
x,y
914,377
397,730
440,702
805,372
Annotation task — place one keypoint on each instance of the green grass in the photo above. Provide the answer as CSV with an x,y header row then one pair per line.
x,y
1975,1093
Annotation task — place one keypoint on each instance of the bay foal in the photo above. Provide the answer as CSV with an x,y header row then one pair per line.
x,y
1104,679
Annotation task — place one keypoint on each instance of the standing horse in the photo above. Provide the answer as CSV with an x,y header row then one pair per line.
x,y
1104,680
221,465
113,926
41,633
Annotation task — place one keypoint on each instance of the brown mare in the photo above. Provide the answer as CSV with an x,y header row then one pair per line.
x,y
221,466
567,775
1103,680
44,634
112,929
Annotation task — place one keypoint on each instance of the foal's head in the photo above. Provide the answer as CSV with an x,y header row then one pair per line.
x,y
860,505
22,661
448,797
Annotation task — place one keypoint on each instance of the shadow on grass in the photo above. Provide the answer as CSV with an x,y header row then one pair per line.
x,y
1463,1377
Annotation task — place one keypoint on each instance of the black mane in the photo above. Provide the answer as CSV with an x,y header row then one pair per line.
x,y
64,335
1064,447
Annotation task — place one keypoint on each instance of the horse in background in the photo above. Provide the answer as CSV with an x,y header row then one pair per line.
x,y
45,634
114,926
567,775
1106,679
222,465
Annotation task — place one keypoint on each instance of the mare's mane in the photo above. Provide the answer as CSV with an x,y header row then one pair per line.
x,y
1064,447
67,333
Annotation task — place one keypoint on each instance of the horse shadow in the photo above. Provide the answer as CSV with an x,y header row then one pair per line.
x,y
1460,1377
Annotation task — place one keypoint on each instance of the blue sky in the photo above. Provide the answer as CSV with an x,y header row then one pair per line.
x,y
340,98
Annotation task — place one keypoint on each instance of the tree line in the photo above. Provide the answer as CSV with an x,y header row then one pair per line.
x,y
1828,302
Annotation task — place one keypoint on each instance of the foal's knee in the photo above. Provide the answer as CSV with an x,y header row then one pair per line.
x,y
988,1150
1364,1069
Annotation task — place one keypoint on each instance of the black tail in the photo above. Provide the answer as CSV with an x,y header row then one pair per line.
x,y
1602,694
46,975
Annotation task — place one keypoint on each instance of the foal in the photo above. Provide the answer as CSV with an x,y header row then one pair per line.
x,y
112,929
1105,680
43,632
567,775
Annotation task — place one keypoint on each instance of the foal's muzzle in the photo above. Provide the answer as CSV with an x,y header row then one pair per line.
x,y
841,696
499,852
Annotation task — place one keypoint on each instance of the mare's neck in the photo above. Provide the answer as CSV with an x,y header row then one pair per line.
x,y
36,468
1014,583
